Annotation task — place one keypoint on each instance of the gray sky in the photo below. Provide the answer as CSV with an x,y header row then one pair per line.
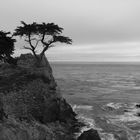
x,y
102,30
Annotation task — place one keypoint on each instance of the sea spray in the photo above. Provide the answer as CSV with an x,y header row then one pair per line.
x,y
85,116
89,122
128,121
106,136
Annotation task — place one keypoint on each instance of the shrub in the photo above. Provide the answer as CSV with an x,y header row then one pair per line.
x,y
28,102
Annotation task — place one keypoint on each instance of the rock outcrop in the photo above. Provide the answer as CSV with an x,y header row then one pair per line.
x,y
89,135
15,130
32,106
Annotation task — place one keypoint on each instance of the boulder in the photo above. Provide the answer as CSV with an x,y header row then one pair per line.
x,y
89,135
66,113
58,110
137,105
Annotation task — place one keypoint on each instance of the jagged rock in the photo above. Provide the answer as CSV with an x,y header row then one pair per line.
x,y
89,135
31,95
66,113
43,69
14,130
58,110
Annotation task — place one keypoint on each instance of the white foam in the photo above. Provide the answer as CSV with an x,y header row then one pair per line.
x,y
114,105
86,107
124,118
89,124
129,116
83,117
106,136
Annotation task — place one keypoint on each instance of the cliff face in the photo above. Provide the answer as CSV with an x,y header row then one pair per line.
x,y
13,130
31,106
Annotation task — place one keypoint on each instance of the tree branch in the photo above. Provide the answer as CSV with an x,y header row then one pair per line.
x,y
46,46
30,42
32,47
43,37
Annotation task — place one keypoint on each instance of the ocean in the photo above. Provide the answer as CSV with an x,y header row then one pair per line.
x,y
106,96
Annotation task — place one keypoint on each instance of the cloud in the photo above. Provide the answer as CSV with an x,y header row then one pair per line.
x,y
103,28
128,51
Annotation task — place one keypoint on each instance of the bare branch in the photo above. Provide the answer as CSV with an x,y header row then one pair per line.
x,y
43,37
29,41
47,45
33,48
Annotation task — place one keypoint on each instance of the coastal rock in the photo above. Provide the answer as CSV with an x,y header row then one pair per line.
x,y
32,100
89,135
137,105
14,130
121,135
58,110
66,113
44,69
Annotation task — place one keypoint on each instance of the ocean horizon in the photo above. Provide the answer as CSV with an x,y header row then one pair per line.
x,y
97,62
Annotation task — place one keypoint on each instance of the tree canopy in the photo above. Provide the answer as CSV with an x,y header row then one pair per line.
x,y
6,46
42,34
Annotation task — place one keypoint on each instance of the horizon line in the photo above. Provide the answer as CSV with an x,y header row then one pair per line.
x,y
94,61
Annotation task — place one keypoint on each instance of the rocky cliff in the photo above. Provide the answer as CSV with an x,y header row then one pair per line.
x,y
31,106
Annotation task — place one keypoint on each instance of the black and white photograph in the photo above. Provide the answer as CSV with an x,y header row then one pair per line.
x,y
69,69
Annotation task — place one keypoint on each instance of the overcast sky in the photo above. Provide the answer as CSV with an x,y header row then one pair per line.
x,y
102,30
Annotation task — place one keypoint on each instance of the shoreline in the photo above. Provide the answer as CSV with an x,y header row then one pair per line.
x,y
88,123
130,114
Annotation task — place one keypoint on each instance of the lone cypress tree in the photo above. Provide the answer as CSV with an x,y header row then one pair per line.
x,y
45,35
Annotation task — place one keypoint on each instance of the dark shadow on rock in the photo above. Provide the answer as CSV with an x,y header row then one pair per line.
x,y
89,135
138,105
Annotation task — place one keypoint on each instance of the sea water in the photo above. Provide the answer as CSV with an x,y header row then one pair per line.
x,y
105,96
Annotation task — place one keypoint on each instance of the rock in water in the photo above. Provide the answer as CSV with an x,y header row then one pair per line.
x,y
89,135
138,105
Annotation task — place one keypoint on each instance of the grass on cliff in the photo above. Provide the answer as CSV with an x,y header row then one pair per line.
x,y
27,98
24,92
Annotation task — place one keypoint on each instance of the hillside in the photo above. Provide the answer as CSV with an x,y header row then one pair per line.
x,y
31,105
